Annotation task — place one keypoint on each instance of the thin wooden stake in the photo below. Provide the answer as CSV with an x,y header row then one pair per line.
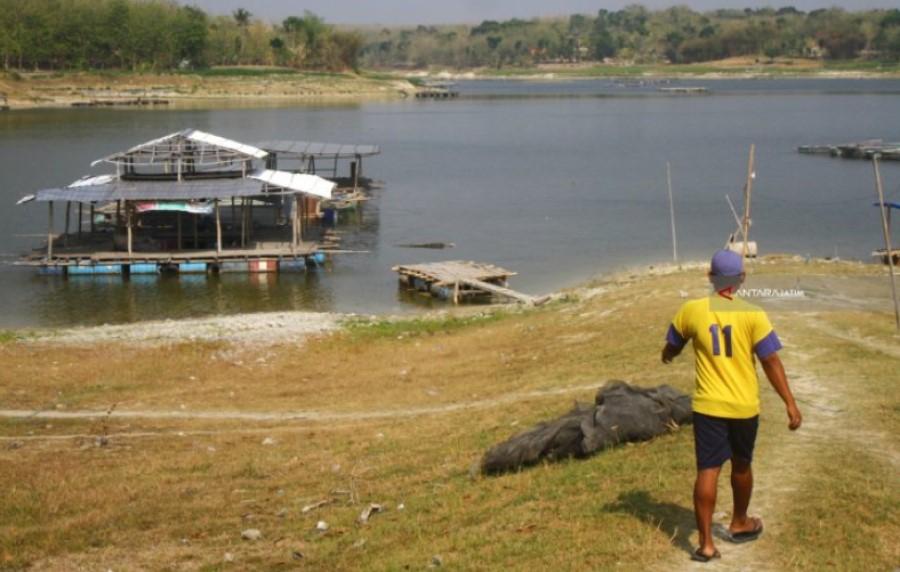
x,y
672,212
887,238
748,189
50,231
128,216
218,229
68,216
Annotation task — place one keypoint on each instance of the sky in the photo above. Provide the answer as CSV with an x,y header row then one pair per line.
x,y
408,12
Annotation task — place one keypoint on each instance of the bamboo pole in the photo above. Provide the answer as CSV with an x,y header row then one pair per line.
x,y
50,231
249,219
128,213
672,212
218,229
295,213
68,217
748,189
243,222
885,228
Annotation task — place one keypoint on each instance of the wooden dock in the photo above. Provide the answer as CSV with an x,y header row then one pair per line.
x,y
865,150
459,281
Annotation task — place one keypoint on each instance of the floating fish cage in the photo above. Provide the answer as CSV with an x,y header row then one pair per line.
x,y
194,203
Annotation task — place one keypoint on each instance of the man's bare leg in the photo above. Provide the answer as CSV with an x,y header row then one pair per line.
x,y
742,490
704,505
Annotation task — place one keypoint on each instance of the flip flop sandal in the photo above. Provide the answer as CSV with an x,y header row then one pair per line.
x,y
747,536
698,556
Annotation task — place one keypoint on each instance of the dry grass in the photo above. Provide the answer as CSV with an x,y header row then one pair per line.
x,y
175,494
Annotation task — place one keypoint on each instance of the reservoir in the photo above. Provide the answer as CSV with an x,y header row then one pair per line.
x,y
559,181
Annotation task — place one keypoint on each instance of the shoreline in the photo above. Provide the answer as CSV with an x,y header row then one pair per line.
x,y
254,329
46,90
251,87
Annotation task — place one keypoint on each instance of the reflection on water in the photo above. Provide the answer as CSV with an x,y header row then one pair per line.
x,y
111,299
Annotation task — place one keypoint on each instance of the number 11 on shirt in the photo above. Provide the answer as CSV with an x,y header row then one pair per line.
x,y
726,331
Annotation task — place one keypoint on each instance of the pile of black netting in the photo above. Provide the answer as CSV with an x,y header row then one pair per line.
x,y
621,413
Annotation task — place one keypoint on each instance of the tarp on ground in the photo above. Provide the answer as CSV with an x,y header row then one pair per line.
x,y
621,413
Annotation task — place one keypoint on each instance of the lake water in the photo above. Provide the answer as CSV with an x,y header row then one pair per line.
x,y
559,181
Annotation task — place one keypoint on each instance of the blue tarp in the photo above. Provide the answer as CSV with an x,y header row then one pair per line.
x,y
888,204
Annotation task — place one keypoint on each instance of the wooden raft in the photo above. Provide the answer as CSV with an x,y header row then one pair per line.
x,y
459,280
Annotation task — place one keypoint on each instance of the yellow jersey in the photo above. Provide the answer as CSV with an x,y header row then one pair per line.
x,y
725,333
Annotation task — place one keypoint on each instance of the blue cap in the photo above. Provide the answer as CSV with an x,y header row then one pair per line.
x,y
727,263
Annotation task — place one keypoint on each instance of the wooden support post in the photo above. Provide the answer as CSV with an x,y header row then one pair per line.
x,y
294,217
80,218
218,229
92,219
748,189
196,232
672,213
354,174
456,293
118,214
233,211
243,222
128,213
68,216
179,231
886,230
50,231
250,219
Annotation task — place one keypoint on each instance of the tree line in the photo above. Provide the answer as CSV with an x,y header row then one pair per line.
x,y
638,35
157,35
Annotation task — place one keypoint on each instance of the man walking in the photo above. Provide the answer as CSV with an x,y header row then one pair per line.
x,y
726,332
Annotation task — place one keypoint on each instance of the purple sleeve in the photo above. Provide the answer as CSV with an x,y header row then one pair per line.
x,y
767,346
674,338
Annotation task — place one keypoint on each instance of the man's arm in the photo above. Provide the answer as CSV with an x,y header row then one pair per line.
x,y
775,372
670,352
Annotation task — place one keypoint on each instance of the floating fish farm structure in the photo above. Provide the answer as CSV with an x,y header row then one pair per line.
x,y
193,202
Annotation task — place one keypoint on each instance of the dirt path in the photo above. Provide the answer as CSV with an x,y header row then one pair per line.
x,y
280,416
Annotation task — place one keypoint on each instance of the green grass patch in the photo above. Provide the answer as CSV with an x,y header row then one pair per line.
x,y
845,516
374,329
8,336
865,66
240,71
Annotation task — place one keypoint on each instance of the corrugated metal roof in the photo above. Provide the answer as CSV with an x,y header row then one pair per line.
x,y
153,190
309,184
306,149
189,135
107,188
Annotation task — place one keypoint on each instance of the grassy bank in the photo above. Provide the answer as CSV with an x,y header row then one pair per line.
x,y
258,84
397,412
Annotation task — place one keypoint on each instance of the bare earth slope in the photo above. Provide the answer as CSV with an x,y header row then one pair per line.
x,y
129,454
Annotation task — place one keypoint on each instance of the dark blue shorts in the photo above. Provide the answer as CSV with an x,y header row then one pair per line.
x,y
717,439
